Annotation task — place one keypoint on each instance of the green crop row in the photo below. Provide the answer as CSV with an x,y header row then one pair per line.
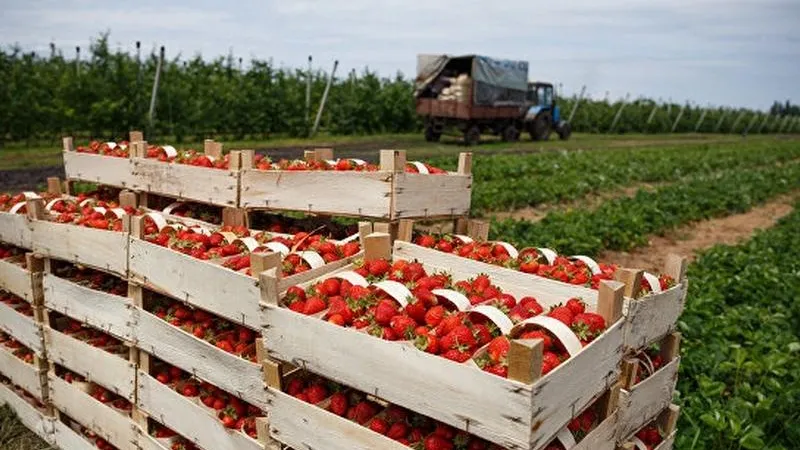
x,y
625,223
739,384
504,182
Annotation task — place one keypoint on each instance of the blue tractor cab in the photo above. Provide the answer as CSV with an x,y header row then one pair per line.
x,y
543,115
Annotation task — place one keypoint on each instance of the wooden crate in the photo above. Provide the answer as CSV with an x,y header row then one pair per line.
x,y
205,284
100,249
667,422
35,419
24,282
118,429
515,413
31,377
15,229
25,329
641,402
227,371
66,438
389,193
187,417
182,181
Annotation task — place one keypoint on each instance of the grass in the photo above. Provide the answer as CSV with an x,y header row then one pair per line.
x,y
20,156
14,435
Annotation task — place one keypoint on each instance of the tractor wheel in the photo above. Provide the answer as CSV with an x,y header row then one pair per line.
x,y
472,136
431,135
510,134
541,127
564,130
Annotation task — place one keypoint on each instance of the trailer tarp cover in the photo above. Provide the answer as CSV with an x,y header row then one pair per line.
x,y
502,73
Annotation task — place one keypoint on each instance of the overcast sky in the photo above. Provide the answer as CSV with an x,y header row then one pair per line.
x,y
724,52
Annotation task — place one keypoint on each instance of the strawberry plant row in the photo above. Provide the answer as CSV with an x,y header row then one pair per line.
x,y
738,382
622,224
392,190
509,181
507,408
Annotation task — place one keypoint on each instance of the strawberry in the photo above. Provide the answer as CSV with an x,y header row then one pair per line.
x,y
457,355
562,314
483,333
397,430
539,334
460,336
426,240
427,343
316,393
588,326
378,267
363,411
385,310
403,325
338,404
314,305
549,362
498,349
497,369
436,442
330,287
379,425
576,305
434,316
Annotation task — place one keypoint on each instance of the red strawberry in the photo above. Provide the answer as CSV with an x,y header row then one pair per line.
x,y
457,355
330,287
576,305
482,333
379,425
316,393
403,325
384,312
436,442
363,411
588,325
497,369
339,404
427,343
539,334
398,430
460,336
314,305
426,240
549,362
498,349
434,316
378,267
562,314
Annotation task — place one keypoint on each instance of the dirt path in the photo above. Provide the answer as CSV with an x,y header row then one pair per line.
x,y
689,239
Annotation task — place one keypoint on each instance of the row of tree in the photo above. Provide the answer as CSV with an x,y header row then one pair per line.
x,y
105,93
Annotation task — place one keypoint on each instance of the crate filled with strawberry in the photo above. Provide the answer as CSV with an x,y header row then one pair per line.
x,y
212,348
165,438
208,267
209,416
208,177
593,429
92,405
22,366
648,382
20,274
658,434
19,319
384,326
14,224
27,406
653,302
67,433
92,353
391,190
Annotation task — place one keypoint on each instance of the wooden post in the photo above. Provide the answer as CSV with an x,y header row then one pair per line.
x,y
234,216
630,368
632,279
135,136
377,246
525,360
676,266
461,225
35,208
67,143
478,229
364,230
247,157
609,300
259,262
393,161
323,154
670,347
405,230
669,418
54,186
464,163
127,198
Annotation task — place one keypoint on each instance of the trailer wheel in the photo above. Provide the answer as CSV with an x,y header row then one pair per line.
x,y
472,136
510,134
541,126
431,135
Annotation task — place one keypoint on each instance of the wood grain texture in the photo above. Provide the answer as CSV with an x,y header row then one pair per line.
x,y
22,374
111,313
602,437
420,195
23,328
15,229
302,425
222,369
188,418
202,184
33,418
116,428
647,399
18,280
652,317
95,364
66,438
106,250
99,169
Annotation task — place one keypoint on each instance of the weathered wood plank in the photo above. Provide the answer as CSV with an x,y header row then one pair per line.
x,y
22,328
100,169
653,317
420,195
106,250
22,374
202,184
94,364
187,418
34,419
222,369
646,400
116,428
15,229
602,437
18,280
66,438
110,313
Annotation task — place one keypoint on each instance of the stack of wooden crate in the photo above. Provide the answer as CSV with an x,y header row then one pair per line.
x,y
101,346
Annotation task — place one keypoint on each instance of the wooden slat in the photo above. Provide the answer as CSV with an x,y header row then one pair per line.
x,y
421,195
214,186
602,437
188,418
99,169
644,401
22,328
117,429
222,369
66,438
97,365
33,418
302,425
110,313
18,280
106,250
652,317
21,373
15,230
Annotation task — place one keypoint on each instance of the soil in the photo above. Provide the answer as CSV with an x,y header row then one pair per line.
x,y
692,238
28,179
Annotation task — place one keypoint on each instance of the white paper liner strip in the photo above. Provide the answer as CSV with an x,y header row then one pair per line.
x,y
512,251
170,151
420,167
51,203
566,438
277,247
653,281
360,162
350,238
458,299
171,207
100,209
85,202
496,316
111,145
30,195
158,219
396,290
548,254
248,242
354,278
118,212
592,264
312,258
331,162
230,238
559,330
464,239
638,443
16,207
